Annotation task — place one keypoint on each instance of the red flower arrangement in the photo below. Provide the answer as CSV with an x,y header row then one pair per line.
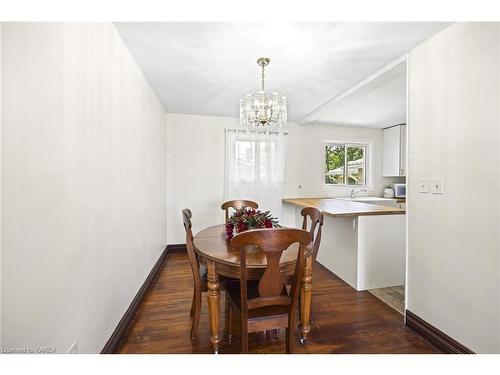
x,y
249,218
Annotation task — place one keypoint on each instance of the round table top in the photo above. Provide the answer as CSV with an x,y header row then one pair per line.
x,y
212,243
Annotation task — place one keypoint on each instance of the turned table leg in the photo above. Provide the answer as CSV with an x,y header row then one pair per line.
x,y
305,300
213,297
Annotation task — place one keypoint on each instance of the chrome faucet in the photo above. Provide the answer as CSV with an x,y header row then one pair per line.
x,y
354,192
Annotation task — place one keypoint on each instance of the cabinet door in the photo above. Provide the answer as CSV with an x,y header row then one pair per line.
x,y
402,151
390,151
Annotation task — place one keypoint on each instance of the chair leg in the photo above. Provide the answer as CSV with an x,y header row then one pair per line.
x,y
311,313
193,303
197,314
288,341
300,310
244,337
229,320
289,333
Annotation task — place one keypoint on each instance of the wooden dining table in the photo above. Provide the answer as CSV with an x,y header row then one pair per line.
x,y
214,251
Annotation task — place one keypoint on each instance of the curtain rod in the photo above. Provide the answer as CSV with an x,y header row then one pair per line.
x,y
254,131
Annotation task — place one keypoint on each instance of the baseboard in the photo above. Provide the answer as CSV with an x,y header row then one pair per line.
x,y
435,336
177,248
126,321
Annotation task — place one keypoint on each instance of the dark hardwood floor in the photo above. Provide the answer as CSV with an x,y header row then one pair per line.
x,y
347,321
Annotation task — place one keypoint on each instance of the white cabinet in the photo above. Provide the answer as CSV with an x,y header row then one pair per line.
x,y
394,151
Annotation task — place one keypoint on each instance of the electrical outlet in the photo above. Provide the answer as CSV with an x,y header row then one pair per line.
x,y
437,186
73,349
423,185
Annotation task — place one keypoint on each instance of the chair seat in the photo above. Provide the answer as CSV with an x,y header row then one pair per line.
x,y
234,294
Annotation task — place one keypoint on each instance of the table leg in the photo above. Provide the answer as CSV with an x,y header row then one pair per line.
x,y
213,297
305,300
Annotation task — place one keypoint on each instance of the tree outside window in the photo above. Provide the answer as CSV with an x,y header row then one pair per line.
x,y
345,164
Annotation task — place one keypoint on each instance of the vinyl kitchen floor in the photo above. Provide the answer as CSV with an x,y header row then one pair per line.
x,y
393,296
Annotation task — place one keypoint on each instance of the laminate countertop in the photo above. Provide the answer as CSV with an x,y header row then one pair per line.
x,y
339,207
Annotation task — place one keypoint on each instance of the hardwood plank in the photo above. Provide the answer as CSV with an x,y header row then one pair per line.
x,y
347,321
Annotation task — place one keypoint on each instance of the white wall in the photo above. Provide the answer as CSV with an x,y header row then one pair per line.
x,y
195,165
454,133
83,183
195,171
306,157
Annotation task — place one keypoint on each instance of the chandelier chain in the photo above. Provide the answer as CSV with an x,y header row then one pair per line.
x,y
262,77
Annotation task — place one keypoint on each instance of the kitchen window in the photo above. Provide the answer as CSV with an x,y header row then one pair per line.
x,y
345,164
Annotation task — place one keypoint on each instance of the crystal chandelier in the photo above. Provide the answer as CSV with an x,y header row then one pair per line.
x,y
261,110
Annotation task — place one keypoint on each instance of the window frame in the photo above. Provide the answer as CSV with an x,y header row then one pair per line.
x,y
368,164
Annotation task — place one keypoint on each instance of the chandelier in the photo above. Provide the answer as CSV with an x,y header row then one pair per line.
x,y
262,110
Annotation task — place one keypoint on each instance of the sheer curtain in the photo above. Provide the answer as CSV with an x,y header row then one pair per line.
x,y
255,168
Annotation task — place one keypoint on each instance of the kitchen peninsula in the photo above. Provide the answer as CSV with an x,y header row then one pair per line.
x,y
362,243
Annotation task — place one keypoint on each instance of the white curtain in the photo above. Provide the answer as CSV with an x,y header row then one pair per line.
x,y
255,168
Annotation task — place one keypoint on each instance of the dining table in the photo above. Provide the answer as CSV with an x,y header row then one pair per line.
x,y
215,253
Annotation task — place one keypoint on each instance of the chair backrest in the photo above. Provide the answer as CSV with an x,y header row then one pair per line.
x,y
236,205
193,260
316,219
272,289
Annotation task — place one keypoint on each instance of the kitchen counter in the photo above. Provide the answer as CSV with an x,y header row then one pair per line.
x,y
362,243
339,207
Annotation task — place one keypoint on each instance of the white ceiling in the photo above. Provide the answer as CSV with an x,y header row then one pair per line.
x,y
378,103
205,68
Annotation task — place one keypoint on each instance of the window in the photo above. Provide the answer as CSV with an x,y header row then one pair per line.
x,y
255,160
245,160
255,168
345,164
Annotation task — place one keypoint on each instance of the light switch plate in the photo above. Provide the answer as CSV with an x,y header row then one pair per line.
x,y
436,186
423,185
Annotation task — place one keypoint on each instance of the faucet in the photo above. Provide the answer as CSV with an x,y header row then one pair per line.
x,y
354,192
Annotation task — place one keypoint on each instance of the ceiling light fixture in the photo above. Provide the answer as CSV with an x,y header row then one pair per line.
x,y
263,110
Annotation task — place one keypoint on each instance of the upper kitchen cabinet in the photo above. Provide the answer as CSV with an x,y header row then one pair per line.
x,y
394,151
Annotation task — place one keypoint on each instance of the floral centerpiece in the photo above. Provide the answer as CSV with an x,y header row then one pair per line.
x,y
249,218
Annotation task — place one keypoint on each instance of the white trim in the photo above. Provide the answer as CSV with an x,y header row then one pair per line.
x,y
407,174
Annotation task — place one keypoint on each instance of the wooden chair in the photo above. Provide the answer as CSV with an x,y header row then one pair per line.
x,y
199,275
316,218
265,304
236,205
